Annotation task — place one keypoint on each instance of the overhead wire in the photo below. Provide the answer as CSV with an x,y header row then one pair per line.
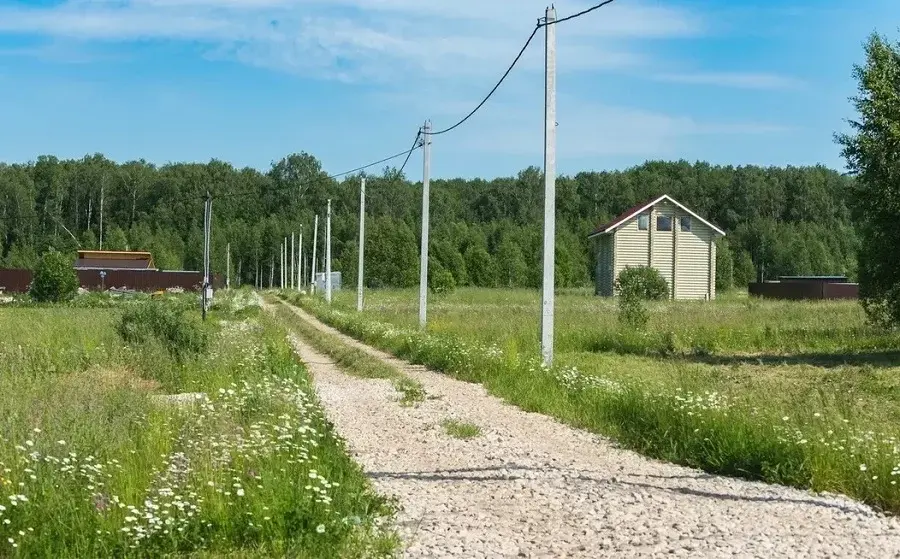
x,y
415,145
407,153
579,14
541,23
496,87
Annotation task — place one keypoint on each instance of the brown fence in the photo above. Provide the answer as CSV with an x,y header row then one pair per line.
x,y
799,290
17,280
14,280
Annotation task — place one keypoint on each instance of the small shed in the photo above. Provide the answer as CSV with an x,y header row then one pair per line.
x,y
114,260
663,234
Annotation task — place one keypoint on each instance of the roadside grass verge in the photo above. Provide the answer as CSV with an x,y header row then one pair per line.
x,y
728,326
807,435
93,464
351,360
460,429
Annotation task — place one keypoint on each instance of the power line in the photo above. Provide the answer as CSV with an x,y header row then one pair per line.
x,y
415,145
496,87
579,14
516,61
407,153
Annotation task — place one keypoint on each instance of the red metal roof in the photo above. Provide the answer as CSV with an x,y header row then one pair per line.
x,y
635,210
624,216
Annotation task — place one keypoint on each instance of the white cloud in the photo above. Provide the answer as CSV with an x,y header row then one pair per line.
x,y
458,38
428,57
588,129
743,80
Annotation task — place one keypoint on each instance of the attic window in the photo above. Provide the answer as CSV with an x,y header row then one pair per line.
x,y
643,222
685,223
664,223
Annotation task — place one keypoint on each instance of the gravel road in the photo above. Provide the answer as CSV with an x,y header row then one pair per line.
x,y
530,486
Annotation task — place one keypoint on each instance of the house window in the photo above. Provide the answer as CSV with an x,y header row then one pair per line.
x,y
685,223
664,223
643,222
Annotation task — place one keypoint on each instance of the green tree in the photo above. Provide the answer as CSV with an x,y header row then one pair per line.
x,y
481,267
115,239
872,155
724,265
22,256
88,240
744,271
54,279
511,265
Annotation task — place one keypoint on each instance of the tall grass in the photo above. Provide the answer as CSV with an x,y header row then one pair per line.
x,y
97,461
828,426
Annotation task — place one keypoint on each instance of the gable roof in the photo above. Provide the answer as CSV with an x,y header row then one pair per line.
x,y
114,259
635,210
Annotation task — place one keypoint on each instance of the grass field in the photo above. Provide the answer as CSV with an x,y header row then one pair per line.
x,y
96,461
799,393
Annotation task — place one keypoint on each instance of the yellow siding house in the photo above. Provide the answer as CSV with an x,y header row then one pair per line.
x,y
663,234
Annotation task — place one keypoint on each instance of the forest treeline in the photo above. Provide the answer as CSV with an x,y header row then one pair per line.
x,y
779,221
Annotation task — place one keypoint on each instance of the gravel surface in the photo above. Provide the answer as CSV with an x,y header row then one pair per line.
x,y
530,486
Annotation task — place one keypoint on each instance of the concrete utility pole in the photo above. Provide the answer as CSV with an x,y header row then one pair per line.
x,y
293,261
549,282
228,266
362,244
207,222
328,254
300,260
423,264
312,280
101,214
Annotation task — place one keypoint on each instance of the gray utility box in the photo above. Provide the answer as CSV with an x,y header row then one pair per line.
x,y
335,281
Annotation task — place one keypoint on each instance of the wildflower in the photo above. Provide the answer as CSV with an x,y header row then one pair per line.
x,y
240,492
320,528
785,418
863,467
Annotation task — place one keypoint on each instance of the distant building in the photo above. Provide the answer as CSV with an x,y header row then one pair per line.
x,y
114,260
662,234
335,281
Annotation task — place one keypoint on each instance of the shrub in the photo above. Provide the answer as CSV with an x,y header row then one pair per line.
x,y
441,281
180,333
55,279
632,312
642,283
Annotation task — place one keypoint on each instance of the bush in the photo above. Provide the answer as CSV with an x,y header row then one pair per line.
x,y
180,333
632,312
55,279
441,281
642,283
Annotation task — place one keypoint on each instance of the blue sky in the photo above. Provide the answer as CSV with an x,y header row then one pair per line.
x,y
249,81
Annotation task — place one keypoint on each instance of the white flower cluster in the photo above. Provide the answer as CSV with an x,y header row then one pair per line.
x,y
217,461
